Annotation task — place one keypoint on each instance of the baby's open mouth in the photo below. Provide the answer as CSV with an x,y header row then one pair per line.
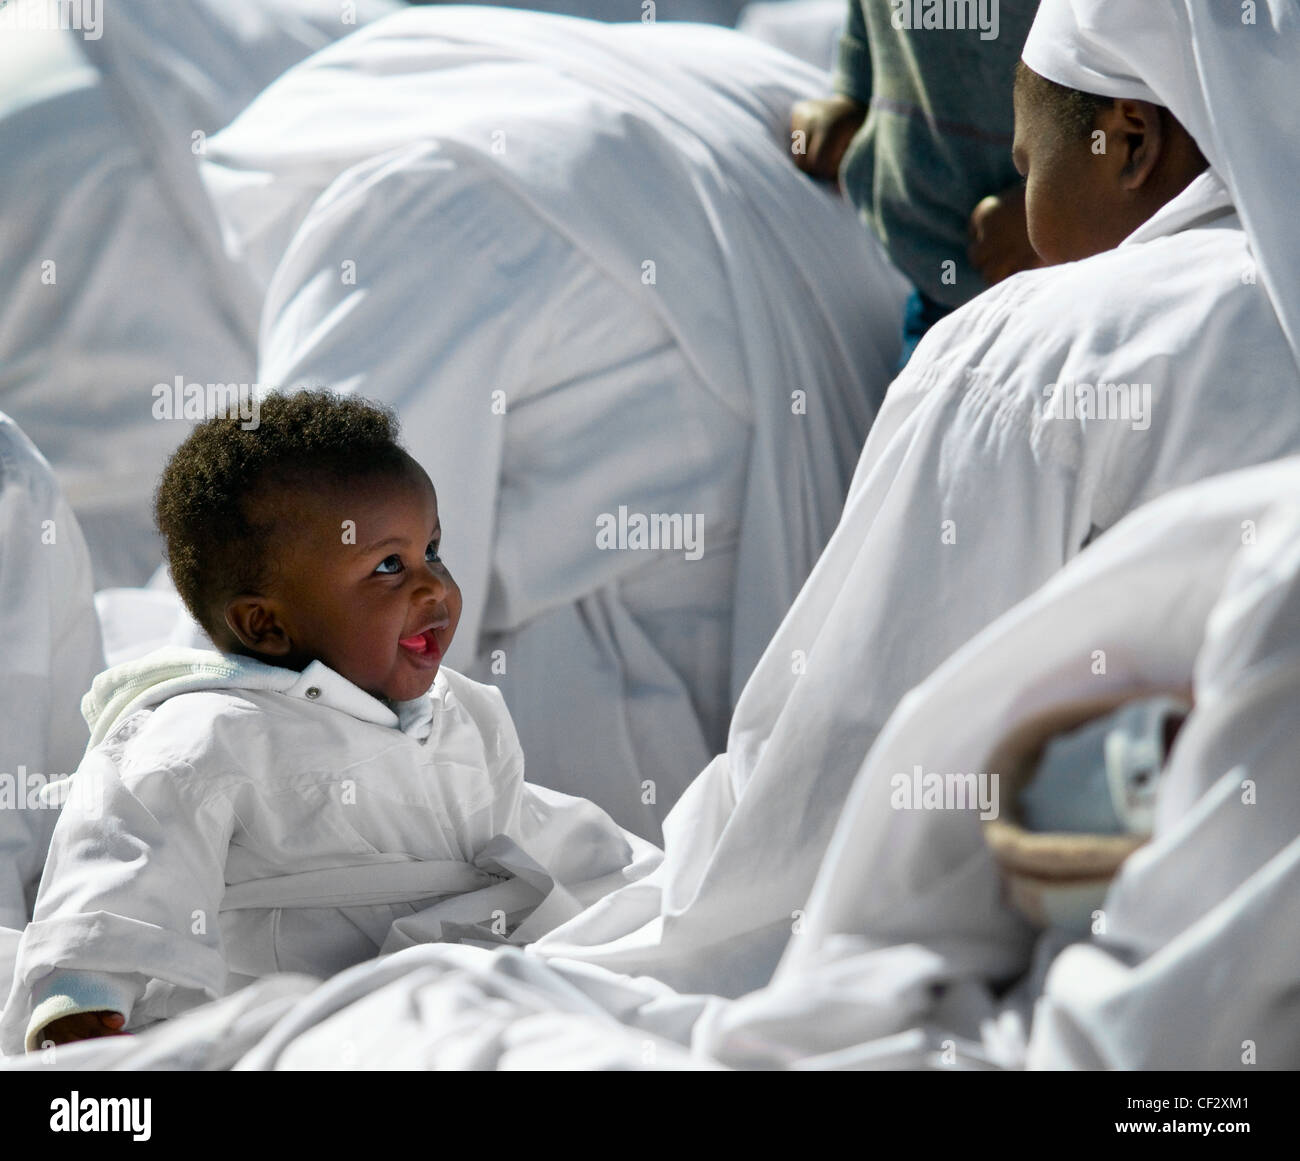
x,y
423,648
424,642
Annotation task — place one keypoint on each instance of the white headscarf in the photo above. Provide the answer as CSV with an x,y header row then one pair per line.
x,y
1230,73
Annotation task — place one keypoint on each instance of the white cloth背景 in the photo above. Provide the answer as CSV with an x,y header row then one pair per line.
x,y
51,652
117,279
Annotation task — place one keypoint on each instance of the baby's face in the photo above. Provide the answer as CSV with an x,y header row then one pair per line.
x,y
361,587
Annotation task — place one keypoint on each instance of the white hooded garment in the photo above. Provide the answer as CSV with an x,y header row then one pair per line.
x,y
49,654
909,929
975,487
115,279
580,262
232,820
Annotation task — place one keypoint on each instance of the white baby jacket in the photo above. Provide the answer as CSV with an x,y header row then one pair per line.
x,y
232,819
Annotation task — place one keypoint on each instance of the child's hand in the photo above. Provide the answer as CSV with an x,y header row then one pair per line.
x,y
828,125
999,240
83,1026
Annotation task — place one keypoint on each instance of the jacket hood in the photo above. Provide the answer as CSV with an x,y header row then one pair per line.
x,y
147,681
120,691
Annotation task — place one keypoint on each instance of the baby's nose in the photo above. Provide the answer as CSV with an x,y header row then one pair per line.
x,y
433,582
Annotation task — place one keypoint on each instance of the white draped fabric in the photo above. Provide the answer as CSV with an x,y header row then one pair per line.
x,y
115,280
908,928
579,260
428,1007
49,653
977,484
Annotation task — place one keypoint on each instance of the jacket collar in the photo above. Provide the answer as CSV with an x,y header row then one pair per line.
x,y
1205,199
167,672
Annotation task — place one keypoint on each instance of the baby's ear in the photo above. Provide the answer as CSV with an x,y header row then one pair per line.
x,y
252,620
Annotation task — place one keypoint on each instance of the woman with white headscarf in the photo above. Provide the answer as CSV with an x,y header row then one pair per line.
x,y
1027,424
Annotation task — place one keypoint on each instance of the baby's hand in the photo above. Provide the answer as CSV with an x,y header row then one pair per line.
x,y
999,240
83,1026
827,125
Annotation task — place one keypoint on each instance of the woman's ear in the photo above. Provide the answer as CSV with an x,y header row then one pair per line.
x,y
254,622
1138,128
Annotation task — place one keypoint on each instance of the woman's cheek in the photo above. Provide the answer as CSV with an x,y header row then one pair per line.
x,y
1037,222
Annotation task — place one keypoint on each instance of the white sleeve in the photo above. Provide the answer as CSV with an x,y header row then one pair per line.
x,y
132,888
1196,968
61,994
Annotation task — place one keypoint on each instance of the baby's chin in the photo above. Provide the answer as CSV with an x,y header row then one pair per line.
x,y
407,688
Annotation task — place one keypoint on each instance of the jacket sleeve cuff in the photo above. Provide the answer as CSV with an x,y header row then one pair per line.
x,y
853,69
65,993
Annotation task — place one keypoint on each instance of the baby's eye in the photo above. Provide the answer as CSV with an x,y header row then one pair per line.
x,y
431,553
389,565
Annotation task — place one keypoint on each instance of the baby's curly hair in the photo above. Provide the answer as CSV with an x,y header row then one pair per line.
x,y
216,548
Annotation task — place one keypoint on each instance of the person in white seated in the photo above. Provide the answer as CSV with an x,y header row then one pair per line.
x,y
49,653
283,803
1162,347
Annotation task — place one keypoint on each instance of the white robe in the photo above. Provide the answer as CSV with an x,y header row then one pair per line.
x,y
116,280
909,928
970,494
49,653
232,820
1205,978
580,261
